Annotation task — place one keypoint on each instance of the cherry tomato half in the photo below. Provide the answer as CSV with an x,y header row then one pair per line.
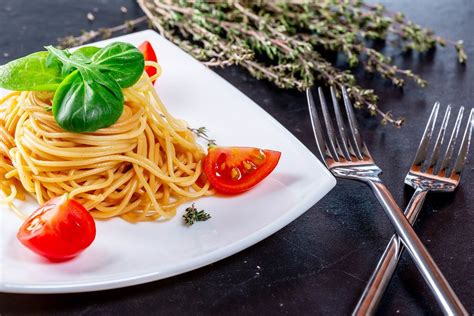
x,y
59,230
150,55
233,170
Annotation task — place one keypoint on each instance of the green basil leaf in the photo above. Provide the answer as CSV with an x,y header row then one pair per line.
x,y
31,73
122,61
64,56
87,101
84,54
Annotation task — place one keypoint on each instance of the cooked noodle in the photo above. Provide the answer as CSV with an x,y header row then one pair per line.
x,y
141,168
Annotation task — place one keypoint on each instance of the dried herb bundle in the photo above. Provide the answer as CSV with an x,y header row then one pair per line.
x,y
192,215
287,42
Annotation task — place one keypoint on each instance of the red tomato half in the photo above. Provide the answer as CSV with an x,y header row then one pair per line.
x,y
233,170
58,230
150,55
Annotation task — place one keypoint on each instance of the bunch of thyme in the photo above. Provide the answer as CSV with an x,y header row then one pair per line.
x,y
192,215
287,42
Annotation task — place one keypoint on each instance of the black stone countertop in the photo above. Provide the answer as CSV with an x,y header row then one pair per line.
x,y
319,263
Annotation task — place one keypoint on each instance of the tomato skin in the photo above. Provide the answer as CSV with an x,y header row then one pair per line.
x,y
150,55
225,167
59,230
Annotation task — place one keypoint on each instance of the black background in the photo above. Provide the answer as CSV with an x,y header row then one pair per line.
x,y
319,263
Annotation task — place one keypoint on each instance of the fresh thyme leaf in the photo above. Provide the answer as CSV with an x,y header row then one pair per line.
x,y
211,143
201,132
192,215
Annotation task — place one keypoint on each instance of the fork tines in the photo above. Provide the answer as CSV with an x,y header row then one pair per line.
x,y
445,164
343,144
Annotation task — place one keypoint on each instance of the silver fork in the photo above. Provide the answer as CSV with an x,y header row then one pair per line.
x,y
347,156
428,172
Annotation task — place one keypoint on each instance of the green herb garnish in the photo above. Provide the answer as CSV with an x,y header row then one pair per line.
x,y
201,132
292,43
192,215
88,83
31,73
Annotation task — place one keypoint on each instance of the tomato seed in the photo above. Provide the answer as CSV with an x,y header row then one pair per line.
x,y
249,166
235,173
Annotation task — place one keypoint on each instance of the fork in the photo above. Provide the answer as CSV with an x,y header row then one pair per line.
x,y
428,172
347,156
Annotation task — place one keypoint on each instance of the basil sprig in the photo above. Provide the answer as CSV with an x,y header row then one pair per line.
x,y
87,82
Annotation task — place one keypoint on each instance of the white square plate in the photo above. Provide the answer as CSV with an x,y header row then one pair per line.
x,y
126,254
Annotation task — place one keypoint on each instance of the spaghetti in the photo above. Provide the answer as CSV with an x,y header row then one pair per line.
x,y
141,168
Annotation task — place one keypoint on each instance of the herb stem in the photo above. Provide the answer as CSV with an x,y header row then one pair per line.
x,y
290,42
87,36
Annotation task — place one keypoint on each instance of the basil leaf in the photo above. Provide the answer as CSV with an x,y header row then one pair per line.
x,y
84,54
122,61
87,101
31,73
64,56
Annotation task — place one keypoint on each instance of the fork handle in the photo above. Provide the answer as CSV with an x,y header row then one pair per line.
x,y
444,294
387,264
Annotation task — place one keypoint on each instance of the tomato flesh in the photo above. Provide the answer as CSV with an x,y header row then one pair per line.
x,y
150,55
59,230
232,170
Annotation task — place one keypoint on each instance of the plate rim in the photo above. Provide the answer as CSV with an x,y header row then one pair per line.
x,y
311,198
190,265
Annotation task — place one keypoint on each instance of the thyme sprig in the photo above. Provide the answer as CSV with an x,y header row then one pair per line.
x,y
103,33
201,132
192,215
290,42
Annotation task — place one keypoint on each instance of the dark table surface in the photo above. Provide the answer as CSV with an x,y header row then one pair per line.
x,y
318,264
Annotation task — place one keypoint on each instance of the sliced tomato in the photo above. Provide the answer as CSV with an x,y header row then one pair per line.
x,y
59,230
232,170
150,55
